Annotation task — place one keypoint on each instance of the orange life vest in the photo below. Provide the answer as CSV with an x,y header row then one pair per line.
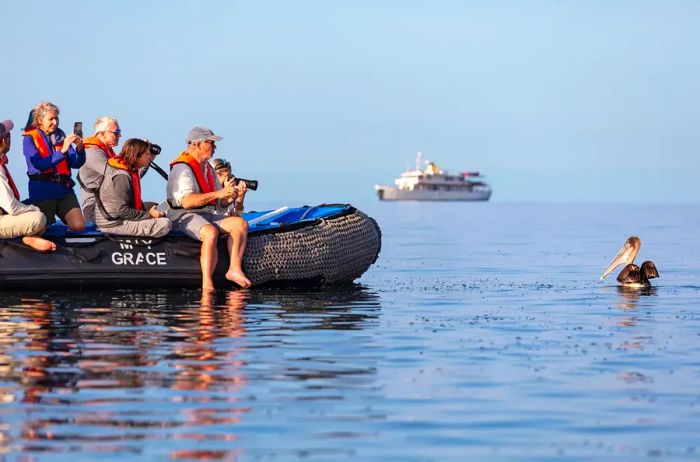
x,y
206,185
10,180
62,167
118,162
94,141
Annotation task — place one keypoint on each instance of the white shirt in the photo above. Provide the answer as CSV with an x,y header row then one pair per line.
x,y
182,183
8,203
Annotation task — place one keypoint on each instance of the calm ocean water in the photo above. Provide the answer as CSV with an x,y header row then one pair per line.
x,y
481,333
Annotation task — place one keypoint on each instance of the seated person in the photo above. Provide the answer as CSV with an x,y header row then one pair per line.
x,y
16,218
50,157
119,207
194,193
222,168
98,149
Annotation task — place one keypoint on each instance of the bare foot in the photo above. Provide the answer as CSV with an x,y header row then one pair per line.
x,y
208,288
39,243
239,278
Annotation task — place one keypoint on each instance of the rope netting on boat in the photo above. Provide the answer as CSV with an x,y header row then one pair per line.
x,y
332,250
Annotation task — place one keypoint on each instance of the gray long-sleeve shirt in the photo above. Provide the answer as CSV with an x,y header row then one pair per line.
x,y
91,176
117,200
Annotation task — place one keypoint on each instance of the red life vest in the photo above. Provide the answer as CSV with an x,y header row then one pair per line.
x,y
61,167
10,180
94,141
206,185
118,162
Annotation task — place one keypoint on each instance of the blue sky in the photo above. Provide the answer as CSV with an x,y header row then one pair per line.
x,y
554,101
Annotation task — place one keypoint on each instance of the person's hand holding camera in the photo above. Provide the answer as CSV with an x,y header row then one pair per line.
x,y
72,139
226,192
242,189
231,182
239,187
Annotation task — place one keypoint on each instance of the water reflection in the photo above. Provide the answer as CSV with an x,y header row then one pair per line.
x,y
630,296
96,374
347,309
629,300
199,364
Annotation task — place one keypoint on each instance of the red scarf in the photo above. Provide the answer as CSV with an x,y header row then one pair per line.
x,y
118,162
61,167
206,185
10,180
94,141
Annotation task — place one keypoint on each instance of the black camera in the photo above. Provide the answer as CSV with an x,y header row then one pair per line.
x,y
154,149
250,184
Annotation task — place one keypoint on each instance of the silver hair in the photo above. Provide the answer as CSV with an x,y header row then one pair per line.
x,y
102,123
42,109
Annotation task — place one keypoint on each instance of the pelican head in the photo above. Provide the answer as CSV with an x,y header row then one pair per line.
x,y
626,255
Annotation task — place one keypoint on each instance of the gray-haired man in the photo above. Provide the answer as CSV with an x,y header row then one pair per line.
x,y
98,149
194,193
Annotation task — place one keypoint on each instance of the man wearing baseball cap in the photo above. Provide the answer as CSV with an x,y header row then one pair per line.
x,y
16,218
194,192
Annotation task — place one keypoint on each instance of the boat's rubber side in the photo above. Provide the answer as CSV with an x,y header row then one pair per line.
x,y
313,246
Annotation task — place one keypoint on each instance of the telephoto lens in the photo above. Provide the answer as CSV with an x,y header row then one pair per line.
x,y
250,184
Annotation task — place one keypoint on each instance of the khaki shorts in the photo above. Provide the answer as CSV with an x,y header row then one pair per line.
x,y
191,223
60,207
24,224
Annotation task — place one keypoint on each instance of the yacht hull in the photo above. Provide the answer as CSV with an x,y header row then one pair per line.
x,y
387,193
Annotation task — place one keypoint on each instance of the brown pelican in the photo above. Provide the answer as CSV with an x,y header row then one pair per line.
x,y
632,275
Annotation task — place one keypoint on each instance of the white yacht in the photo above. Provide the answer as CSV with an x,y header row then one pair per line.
x,y
428,183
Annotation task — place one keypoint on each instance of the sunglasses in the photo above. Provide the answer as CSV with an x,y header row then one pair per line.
x,y
117,132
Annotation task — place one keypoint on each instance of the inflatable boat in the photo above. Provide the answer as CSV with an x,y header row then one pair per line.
x,y
322,245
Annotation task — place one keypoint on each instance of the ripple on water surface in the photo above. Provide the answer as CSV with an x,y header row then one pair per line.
x,y
483,336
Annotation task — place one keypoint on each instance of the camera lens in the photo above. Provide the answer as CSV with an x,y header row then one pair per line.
x,y
154,149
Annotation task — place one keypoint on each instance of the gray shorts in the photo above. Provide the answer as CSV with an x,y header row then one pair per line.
x,y
150,227
191,223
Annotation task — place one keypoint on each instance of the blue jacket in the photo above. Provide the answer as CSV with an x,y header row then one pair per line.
x,y
43,189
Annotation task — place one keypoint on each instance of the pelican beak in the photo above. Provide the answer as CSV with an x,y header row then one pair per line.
x,y
626,255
